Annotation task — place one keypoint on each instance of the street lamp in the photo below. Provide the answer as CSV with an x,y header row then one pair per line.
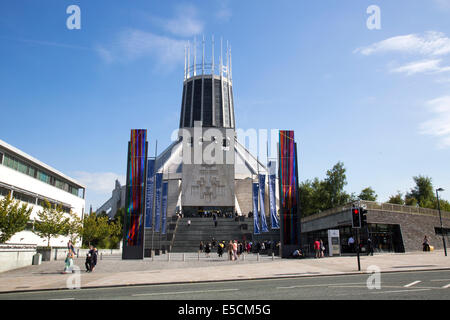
x,y
440,218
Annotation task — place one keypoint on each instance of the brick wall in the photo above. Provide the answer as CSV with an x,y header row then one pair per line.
x,y
413,227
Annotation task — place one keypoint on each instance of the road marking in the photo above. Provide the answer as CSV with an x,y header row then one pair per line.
x,y
447,286
412,283
440,280
62,299
181,292
319,285
398,291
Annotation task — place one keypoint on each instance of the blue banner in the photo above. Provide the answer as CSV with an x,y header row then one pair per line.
x,y
256,229
275,223
158,186
165,189
149,193
262,193
273,204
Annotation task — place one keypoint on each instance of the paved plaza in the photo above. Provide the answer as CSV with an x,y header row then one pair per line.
x,y
190,268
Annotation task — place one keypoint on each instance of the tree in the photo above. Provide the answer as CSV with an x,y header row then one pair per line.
x,y
74,227
95,229
13,218
422,193
368,194
334,186
319,195
52,222
397,199
115,234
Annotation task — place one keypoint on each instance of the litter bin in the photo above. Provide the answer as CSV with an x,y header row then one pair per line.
x,y
37,259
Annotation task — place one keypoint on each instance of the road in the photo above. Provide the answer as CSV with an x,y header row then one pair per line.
x,y
415,285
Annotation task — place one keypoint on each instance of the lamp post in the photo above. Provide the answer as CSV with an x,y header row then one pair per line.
x,y
440,218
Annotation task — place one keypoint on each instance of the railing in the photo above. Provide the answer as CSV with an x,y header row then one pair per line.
x,y
206,69
372,205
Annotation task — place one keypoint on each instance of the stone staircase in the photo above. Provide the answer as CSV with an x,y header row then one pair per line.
x,y
187,238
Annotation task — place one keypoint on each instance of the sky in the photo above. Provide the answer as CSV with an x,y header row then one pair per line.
x,y
377,99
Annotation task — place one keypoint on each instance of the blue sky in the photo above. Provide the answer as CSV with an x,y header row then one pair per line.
x,y
377,100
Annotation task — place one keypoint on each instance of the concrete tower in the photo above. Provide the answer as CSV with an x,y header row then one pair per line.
x,y
207,129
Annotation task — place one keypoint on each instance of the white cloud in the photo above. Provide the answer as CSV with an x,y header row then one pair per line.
x,y
185,22
424,66
431,43
440,125
136,43
133,44
101,182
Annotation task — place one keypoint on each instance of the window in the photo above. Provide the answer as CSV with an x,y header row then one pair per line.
x,y
24,197
43,177
4,192
73,190
188,105
446,231
31,171
207,103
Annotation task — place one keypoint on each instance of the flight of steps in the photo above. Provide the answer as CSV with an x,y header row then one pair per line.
x,y
187,238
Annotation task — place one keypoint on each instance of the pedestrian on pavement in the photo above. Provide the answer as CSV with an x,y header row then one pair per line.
x,y
235,247
70,247
189,223
200,249
369,247
426,244
68,267
351,243
207,249
89,259
94,259
230,250
317,249
322,249
220,248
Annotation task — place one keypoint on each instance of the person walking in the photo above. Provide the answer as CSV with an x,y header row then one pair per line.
x,y
207,249
235,247
369,247
317,249
94,259
70,247
68,266
189,223
230,250
220,248
322,249
89,259
351,243
426,244
200,249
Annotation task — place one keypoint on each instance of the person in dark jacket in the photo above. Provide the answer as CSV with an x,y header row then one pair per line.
x,y
89,259
94,259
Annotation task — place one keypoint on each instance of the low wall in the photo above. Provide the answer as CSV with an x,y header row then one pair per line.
x,y
15,258
61,253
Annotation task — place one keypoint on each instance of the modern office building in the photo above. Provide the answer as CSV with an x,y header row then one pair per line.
x,y
33,182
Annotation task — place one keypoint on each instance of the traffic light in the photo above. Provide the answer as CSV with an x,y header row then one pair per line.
x,y
363,213
356,218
